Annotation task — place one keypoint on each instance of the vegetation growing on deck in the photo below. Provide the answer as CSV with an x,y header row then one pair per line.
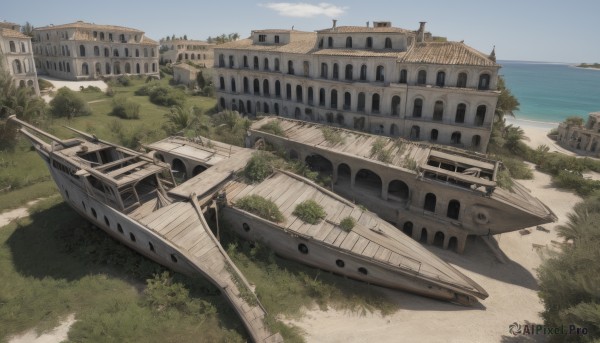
x,y
261,207
259,167
309,211
347,224
273,127
332,135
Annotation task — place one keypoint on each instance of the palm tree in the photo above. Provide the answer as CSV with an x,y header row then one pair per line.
x,y
179,119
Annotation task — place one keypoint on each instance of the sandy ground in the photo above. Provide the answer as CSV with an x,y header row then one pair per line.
x,y
512,287
73,85
9,216
536,134
56,335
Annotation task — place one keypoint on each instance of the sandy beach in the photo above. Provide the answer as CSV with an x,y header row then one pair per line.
x,y
512,286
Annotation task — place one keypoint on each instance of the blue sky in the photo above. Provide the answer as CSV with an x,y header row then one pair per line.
x,y
553,31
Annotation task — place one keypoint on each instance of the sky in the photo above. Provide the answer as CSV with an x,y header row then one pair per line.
x,y
524,30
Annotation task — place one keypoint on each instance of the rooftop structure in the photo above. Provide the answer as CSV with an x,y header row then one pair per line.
x,y
17,56
81,51
379,79
196,51
584,138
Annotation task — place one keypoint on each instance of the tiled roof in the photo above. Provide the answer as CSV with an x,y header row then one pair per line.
x,y
184,41
84,25
12,34
299,44
360,53
456,53
358,29
148,41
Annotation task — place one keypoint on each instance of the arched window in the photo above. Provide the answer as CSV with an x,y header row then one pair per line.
x,y
461,82
137,52
245,61
422,77
291,67
347,101
310,95
440,79
322,97
221,61
348,42
126,52
363,72
403,76
306,68
461,109
84,69
361,102
434,135
336,71
81,51
233,88
266,64
415,132
334,99
299,93
388,43
375,103
395,105
288,91
417,108
13,47
321,43
255,62
107,68
145,52
17,67
453,209
324,71
329,42
266,91
379,74
256,88
127,68
398,189
116,52
276,66
455,138
484,82
246,86
348,72
221,83
480,115
96,51
438,111
277,89
231,61
106,52
430,202
369,44
476,141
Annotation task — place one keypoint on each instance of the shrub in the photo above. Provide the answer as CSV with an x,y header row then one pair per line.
x,y
518,169
165,96
123,81
379,151
68,103
259,167
310,212
110,92
90,89
332,136
44,84
347,223
261,207
125,109
273,127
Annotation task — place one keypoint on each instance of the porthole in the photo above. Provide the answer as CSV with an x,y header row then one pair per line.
x,y
303,248
151,246
246,227
119,228
340,263
173,258
363,270
106,221
94,213
132,237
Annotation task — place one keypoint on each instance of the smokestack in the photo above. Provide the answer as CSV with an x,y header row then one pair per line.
x,y
334,22
421,32
367,24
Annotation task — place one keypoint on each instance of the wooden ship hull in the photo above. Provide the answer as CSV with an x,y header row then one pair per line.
x,y
125,194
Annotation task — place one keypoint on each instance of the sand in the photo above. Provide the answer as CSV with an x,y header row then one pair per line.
x,y
56,335
72,85
536,134
512,287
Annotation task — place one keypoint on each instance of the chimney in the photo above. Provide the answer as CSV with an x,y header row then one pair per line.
x,y
421,32
367,24
334,22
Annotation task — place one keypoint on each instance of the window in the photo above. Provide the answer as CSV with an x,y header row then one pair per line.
x,y
321,43
310,95
484,82
461,82
336,71
277,89
255,64
434,135
13,47
221,83
256,84
96,51
453,209
329,42
106,52
246,87
349,42
375,103
430,201
233,88
322,97
422,77
276,64
334,98
347,101
476,141
480,115
363,270
348,72
417,108
324,71
276,39
388,43
266,91
291,67
395,105
360,107
81,51
369,44
132,237
438,111
151,246
119,228
245,61
363,72
403,76
266,64
288,91
116,52
306,68
455,138
440,80
379,74
231,61
340,263
299,93
84,69
461,109
262,38
173,258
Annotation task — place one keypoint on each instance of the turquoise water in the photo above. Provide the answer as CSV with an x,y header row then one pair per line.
x,y
552,92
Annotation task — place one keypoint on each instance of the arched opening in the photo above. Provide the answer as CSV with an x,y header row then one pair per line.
x,y
81,51
256,88
151,246
127,68
246,227
179,170
398,190
363,270
388,43
455,138
461,81
340,263
421,78
322,97
334,99
379,74
438,111
306,68
84,69
375,103
324,71
403,76
368,181
480,115
395,105
430,202
336,71
132,237
198,169
360,107
363,72
407,228
319,164
288,91
343,174
277,89
461,109
276,66
423,237
329,42
266,90
233,87
302,248
453,209
476,141
222,103
297,113
339,119
348,42
299,95
453,244
484,82
348,72
265,108
415,132
255,62
369,44
246,86
434,135
440,79
266,64
293,155
347,101
107,68
276,106
394,131
291,67
438,239
310,95
417,108
120,228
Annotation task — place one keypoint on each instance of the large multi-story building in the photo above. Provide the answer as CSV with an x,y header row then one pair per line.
x,y
17,56
582,138
196,51
380,79
80,51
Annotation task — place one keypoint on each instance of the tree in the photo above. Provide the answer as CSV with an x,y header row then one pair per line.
x,y
201,81
507,104
570,279
68,103
184,37
179,119
27,29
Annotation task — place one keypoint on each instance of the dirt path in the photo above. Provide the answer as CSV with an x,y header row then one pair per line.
x,y
8,216
56,335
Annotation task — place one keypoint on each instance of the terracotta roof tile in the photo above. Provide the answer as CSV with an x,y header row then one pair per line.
x,y
352,29
299,44
456,53
84,25
12,34
360,53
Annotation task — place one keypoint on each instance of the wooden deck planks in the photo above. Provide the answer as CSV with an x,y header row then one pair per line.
x,y
371,249
360,245
340,238
349,241
383,254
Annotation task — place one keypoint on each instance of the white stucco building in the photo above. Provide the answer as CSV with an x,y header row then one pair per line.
x,y
17,56
381,79
180,50
81,51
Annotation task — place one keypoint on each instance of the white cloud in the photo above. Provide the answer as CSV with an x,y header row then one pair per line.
x,y
304,10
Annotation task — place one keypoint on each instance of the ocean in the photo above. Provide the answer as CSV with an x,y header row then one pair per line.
x,y
551,92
